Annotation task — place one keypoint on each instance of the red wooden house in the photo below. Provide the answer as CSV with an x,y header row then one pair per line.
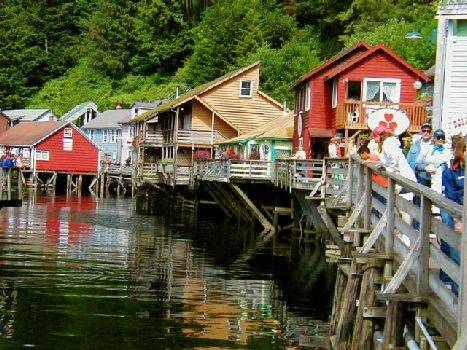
x,y
340,94
52,146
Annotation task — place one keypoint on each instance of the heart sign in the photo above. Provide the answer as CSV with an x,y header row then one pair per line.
x,y
390,118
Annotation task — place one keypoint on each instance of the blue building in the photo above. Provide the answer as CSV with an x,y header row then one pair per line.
x,y
106,131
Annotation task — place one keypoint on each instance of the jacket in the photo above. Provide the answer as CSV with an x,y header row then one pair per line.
x,y
453,184
418,168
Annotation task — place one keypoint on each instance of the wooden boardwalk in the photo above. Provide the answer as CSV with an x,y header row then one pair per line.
x,y
388,271
11,191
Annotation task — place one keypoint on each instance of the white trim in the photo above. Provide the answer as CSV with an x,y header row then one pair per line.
x,y
244,88
41,155
68,132
381,81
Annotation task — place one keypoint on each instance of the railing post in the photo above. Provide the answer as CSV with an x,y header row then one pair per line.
x,y
389,240
20,184
349,181
425,229
8,184
360,180
368,199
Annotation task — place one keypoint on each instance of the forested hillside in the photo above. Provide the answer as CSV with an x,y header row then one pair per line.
x,y
58,53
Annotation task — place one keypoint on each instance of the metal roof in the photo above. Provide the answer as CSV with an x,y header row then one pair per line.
x,y
109,119
27,134
78,110
26,114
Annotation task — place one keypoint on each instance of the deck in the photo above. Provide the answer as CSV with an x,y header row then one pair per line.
x,y
11,192
378,232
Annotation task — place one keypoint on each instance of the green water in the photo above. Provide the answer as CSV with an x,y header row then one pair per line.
x,y
88,273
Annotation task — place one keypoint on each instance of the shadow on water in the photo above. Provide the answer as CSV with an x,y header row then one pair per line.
x,y
89,273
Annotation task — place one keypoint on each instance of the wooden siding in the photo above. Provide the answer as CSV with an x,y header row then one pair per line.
x,y
245,113
380,65
83,158
201,117
455,84
4,123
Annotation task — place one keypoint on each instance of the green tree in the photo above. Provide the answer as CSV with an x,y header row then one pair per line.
x,y
109,36
281,67
420,53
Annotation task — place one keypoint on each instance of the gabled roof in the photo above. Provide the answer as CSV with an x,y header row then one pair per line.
x,y
27,134
26,114
147,105
108,119
279,128
361,45
78,110
5,116
193,92
332,73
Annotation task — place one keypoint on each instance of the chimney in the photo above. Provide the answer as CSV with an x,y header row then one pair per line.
x,y
119,106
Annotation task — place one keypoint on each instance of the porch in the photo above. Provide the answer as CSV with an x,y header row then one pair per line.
x,y
353,115
183,136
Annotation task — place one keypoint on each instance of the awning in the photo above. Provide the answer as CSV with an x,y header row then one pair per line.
x,y
321,132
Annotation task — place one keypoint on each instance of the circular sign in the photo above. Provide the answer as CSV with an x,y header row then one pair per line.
x,y
393,119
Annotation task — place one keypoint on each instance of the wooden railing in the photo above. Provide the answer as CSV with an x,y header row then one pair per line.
x,y
354,114
416,257
184,136
11,181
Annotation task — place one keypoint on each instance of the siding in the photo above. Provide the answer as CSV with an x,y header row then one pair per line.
x,y
245,113
83,158
201,116
455,84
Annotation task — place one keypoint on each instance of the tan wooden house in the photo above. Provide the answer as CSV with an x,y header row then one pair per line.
x,y
170,137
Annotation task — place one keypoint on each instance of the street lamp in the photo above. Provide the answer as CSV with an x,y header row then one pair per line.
x,y
414,34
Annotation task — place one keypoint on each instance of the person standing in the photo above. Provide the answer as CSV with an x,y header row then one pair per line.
x,y
453,188
416,159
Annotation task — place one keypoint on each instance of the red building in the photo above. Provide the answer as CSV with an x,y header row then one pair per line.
x,y
340,94
4,122
52,146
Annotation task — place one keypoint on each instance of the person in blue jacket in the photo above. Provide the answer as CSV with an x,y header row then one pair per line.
x,y
453,188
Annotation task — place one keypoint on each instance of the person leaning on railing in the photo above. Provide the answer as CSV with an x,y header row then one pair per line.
x,y
453,188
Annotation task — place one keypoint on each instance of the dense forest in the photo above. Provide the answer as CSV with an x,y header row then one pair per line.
x,y
58,53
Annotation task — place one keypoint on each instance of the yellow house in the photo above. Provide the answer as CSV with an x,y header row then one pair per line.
x,y
174,134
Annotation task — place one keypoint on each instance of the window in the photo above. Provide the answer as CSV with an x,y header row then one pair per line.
x,y
132,131
113,136
67,144
91,135
307,96
42,155
382,90
246,88
105,136
334,93
68,132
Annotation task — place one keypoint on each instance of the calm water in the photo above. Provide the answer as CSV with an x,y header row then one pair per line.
x,y
87,273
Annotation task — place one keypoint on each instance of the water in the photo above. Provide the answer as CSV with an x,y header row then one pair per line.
x,y
88,273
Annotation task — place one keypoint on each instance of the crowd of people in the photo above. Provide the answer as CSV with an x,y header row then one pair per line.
x,y
431,163
10,159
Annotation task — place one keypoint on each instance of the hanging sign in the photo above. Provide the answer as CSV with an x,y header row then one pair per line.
x,y
458,123
393,119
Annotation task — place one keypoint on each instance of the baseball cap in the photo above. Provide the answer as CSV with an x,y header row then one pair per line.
x,y
379,130
439,134
427,124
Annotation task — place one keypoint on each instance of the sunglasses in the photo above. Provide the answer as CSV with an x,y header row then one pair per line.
x,y
440,137
426,131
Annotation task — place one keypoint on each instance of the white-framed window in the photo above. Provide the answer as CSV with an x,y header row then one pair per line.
x,y
307,96
246,88
132,131
67,144
334,93
42,155
113,136
105,135
91,134
68,132
381,90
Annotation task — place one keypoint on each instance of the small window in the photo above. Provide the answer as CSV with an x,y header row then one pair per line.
x,y
307,96
105,136
246,88
113,136
68,132
42,155
334,93
91,135
132,131
68,144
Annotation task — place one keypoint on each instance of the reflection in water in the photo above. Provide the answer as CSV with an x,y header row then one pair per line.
x,y
89,273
